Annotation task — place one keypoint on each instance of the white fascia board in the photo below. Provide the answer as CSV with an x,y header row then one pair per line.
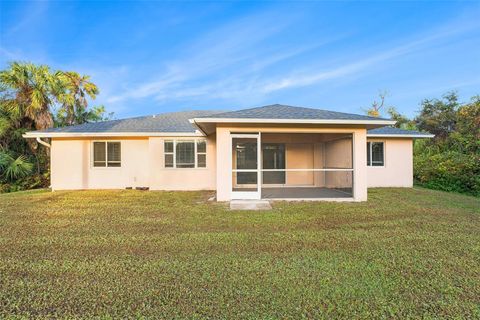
x,y
293,121
199,129
110,134
400,135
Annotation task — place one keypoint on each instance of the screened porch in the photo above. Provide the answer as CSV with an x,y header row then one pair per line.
x,y
292,166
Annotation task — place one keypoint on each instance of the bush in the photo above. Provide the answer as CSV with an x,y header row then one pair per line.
x,y
448,170
34,181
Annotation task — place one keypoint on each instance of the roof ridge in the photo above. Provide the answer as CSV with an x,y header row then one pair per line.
x,y
175,120
309,109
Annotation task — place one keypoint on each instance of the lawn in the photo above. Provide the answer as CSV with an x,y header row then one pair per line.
x,y
406,253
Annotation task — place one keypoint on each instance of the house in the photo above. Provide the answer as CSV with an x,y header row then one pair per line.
x,y
270,152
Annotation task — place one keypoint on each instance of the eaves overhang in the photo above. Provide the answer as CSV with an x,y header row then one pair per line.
x,y
40,134
415,136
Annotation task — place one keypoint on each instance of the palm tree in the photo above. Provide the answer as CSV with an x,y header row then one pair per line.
x,y
10,131
27,92
75,90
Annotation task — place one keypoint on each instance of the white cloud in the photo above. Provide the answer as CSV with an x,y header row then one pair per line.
x,y
236,46
309,78
229,63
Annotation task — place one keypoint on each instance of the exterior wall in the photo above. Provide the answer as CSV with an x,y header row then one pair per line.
x,y
360,165
299,156
338,154
224,154
398,168
142,165
69,164
72,168
162,178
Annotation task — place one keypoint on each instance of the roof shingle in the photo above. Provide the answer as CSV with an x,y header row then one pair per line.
x,y
166,122
279,111
396,131
176,122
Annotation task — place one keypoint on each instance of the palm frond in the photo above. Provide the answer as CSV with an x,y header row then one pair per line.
x,y
14,168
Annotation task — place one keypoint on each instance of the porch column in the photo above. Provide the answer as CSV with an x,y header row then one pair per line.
x,y
224,164
360,165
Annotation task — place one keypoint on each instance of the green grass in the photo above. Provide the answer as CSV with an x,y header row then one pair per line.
x,y
406,253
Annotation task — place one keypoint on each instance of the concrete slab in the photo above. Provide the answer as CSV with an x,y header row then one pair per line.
x,y
250,205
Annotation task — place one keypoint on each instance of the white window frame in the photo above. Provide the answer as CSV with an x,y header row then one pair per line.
x,y
106,155
174,153
371,158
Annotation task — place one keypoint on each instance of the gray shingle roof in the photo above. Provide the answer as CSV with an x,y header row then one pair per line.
x,y
166,122
179,121
279,111
396,131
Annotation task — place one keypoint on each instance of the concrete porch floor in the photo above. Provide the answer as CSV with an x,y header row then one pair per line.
x,y
304,193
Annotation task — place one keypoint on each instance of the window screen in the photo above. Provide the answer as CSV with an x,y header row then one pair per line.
x,y
106,154
114,154
201,154
168,151
375,154
99,154
185,154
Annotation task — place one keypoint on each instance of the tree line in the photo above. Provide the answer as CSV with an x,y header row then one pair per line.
x,y
451,160
35,97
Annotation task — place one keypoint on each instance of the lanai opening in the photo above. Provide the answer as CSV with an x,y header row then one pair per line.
x,y
292,165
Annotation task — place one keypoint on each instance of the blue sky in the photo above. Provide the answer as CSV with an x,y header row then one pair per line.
x,y
153,57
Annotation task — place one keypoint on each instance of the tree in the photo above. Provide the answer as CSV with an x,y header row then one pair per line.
x,y
76,89
94,114
33,97
451,161
377,106
468,125
28,92
402,121
11,132
439,116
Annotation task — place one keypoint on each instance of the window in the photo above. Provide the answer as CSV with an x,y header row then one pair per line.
x,y
169,156
375,154
185,153
201,154
106,154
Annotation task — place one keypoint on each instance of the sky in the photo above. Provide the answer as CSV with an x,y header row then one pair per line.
x,y
150,57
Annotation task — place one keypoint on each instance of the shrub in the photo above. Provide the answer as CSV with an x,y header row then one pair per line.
x,y
448,170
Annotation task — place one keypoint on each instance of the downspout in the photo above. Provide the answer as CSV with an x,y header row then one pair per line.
x,y
39,140
49,146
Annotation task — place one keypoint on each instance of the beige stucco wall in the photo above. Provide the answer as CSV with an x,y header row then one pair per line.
x,y
162,178
338,154
398,169
224,154
142,165
72,168
299,156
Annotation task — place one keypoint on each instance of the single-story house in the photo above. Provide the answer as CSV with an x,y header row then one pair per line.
x,y
270,152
